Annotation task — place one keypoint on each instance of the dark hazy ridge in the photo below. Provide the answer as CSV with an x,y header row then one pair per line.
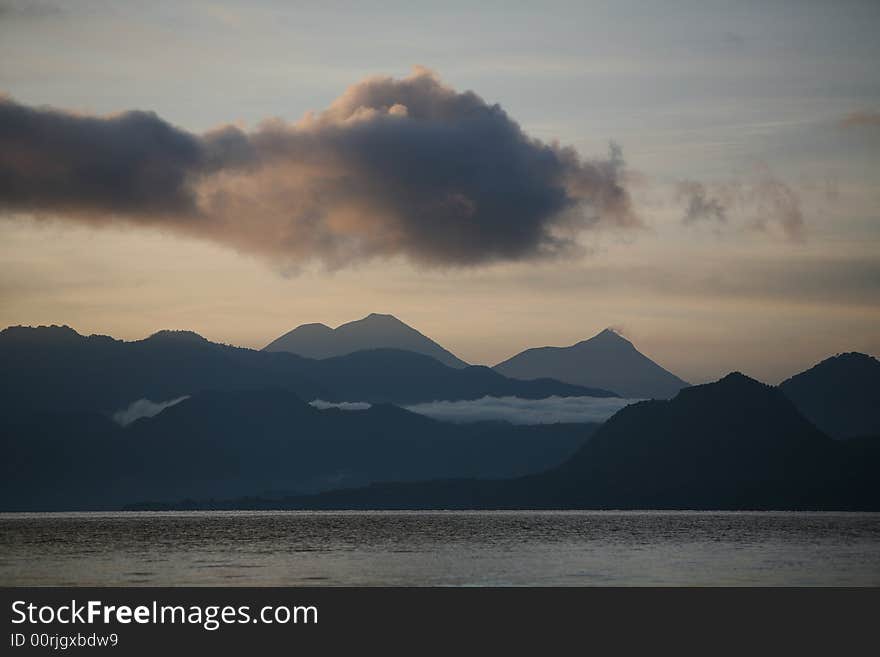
x,y
733,444
607,360
375,331
263,441
246,427
840,395
57,368
246,436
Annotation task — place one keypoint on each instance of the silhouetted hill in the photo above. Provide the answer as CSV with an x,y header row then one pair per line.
x,y
55,368
374,331
222,444
733,444
840,395
607,360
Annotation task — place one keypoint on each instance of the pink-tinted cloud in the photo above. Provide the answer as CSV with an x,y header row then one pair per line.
x,y
393,167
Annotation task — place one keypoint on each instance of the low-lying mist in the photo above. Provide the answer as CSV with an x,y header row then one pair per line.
x,y
509,409
143,408
515,410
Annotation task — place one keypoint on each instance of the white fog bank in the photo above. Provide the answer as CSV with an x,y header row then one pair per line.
x,y
524,411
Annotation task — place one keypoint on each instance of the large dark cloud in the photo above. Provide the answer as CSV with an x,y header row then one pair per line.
x,y
132,163
392,167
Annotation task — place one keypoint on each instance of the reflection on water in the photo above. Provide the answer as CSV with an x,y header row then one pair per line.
x,y
440,548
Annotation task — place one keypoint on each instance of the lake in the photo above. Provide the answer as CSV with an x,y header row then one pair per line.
x,y
571,548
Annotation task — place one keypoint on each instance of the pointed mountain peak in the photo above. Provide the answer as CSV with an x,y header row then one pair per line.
x,y
377,324
610,334
738,378
608,338
380,319
608,361
737,381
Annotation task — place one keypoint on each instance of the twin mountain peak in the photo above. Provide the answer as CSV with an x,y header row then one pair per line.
x,y
607,361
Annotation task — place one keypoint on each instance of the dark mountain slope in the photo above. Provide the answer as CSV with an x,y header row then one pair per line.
x,y
840,395
733,444
231,443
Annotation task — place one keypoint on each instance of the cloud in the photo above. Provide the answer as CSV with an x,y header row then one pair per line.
x,y
392,167
524,411
860,119
131,164
699,206
777,205
143,408
762,202
322,405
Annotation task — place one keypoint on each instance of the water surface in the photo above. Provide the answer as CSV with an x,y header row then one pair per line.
x,y
440,548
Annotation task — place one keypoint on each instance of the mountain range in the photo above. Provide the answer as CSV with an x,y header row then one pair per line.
x,y
732,444
56,368
607,357
606,361
233,424
258,441
374,331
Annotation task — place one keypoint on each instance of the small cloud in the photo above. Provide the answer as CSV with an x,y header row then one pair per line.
x,y
322,405
698,205
761,202
143,408
777,205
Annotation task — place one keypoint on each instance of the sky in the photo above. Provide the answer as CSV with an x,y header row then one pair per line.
x,y
702,176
